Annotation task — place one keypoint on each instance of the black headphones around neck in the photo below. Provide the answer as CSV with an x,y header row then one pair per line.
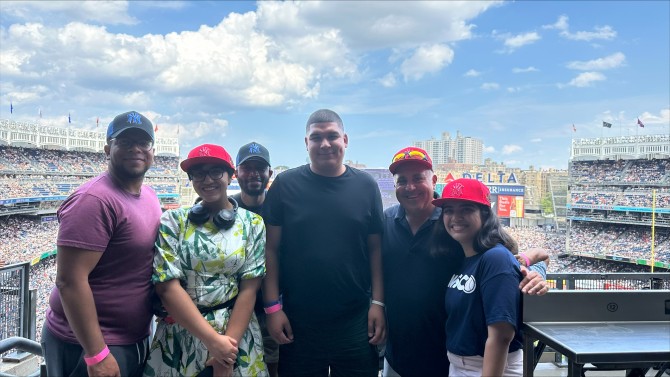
x,y
199,214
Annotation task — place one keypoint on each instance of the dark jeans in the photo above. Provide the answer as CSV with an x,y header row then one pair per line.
x,y
67,359
340,348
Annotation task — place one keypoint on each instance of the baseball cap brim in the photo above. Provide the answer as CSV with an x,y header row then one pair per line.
x,y
254,157
121,131
394,166
187,164
440,202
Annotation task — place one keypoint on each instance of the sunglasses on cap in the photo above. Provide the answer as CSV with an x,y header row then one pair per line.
x,y
411,155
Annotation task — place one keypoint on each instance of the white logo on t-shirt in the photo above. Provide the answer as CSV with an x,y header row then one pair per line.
x,y
465,283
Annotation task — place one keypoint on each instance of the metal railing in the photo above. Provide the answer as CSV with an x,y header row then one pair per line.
x,y
614,281
15,300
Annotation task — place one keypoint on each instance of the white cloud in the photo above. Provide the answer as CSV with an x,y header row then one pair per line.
x,y
275,56
612,61
513,89
663,118
511,149
601,32
536,140
513,42
425,60
490,86
472,73
489,149
374,24
194,131
525,70
388,81
586,79
560,24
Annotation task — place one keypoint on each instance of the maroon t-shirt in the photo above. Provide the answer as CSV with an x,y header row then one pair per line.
x,y
100,216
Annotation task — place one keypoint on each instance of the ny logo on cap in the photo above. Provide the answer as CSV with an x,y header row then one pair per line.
x,y
134,118
254,148
204,151
457,190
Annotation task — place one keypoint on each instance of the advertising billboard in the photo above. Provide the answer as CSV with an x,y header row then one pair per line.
x,y
510,206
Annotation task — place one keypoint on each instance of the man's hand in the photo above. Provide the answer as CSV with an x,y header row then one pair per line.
x,y
532,283
108,367
279,327
376,325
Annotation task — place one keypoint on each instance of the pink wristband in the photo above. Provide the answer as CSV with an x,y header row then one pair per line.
x,y
97,358
272,309
525,258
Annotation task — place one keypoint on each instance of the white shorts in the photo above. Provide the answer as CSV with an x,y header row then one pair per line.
x,y
471,366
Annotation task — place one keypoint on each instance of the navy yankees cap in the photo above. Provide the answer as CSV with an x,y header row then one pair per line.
x,y
253,150
129,120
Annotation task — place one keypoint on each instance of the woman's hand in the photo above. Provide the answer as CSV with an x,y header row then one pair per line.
x,y
223,349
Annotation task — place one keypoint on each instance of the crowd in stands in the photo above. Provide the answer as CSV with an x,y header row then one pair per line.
x,y
24,238
629,241
620,197
29,172
60,162
620,171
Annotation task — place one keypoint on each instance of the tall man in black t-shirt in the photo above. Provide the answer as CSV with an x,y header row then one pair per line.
x,y
253,174
323,254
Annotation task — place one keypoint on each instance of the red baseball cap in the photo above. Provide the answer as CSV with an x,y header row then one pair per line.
x,y
467,189
410,154
207,154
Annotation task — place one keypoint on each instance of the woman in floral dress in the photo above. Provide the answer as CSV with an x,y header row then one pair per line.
x,y
208,265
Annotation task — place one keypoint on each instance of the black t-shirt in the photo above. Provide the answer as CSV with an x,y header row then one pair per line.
x,y
258,306
323,256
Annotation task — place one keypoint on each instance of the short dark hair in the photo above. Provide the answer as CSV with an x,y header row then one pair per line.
x,y
324,116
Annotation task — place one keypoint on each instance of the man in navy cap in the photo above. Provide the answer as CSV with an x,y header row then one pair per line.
x,y
253,174
99,318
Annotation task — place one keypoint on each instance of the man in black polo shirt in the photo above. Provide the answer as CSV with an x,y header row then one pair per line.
x,y
414,280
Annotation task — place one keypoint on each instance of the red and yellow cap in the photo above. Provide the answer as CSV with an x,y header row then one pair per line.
x,y
410,154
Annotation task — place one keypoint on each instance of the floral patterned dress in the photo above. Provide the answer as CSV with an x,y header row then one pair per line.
x,y
210,263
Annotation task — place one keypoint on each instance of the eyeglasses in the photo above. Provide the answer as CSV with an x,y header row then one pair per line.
x,y
213,173
411,155
124,143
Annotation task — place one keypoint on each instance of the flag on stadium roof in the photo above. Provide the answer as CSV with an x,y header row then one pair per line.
x,y
608,125
574,129
69,120
156,128
11,108
40,112
640,123
97,122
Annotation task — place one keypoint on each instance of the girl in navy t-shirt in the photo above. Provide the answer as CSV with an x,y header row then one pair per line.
x,y
483,301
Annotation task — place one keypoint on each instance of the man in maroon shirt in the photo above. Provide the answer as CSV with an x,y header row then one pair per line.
x,y
99,318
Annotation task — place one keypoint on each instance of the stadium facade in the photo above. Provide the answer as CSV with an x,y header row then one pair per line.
x,y
37,135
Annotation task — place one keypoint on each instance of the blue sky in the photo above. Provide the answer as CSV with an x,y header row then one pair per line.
x,y
517,75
